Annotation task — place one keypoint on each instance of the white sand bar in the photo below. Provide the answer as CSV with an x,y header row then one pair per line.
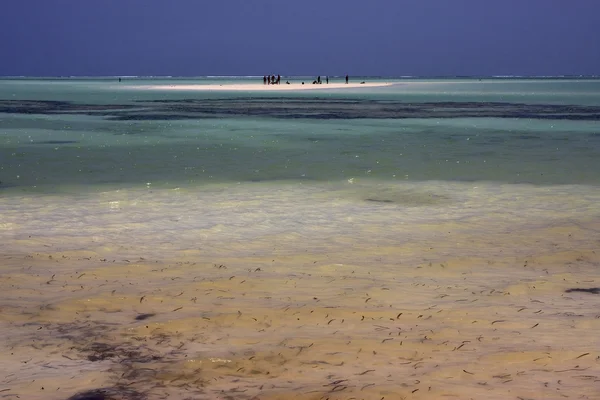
x,y
252,87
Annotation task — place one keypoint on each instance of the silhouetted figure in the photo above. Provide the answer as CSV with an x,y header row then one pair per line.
x,y
278,79
119,79
346,78
272,79
319,79
327,80
264,79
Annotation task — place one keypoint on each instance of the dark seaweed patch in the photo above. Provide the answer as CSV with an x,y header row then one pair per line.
x,y
52,107
584,290
304,108
138,369
154,117
113,393
142,317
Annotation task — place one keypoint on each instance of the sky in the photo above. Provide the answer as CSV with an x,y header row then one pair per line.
x,y
293,37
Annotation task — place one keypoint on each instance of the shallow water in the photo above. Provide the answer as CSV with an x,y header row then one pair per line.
x,y
300,246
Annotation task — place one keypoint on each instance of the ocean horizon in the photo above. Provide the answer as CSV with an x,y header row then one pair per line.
x,y
425,77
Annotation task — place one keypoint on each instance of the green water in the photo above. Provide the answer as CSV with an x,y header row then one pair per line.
x,y
193,138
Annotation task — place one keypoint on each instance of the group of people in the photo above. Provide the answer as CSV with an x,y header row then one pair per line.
x,y
272,80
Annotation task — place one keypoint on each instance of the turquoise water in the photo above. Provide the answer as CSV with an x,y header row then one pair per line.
x,y
538,132
517,151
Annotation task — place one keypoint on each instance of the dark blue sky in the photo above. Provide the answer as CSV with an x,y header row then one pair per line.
x,y
308,37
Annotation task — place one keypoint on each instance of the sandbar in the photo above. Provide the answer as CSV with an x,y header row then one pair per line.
x,y
259,87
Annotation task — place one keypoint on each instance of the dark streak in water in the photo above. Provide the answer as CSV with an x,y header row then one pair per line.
x,y
304,108
56,142
529,137
379,200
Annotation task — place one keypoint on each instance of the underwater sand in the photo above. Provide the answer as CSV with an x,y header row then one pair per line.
x,y
441,311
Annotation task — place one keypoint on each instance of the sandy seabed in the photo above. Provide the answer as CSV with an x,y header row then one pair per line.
x,y
354,325
483,293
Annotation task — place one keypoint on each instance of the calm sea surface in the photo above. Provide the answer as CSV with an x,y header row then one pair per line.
x,y
476,177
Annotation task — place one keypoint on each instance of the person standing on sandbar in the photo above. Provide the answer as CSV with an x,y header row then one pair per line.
x,y
346,78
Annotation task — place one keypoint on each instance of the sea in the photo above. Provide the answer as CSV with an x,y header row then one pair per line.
x,y
427,239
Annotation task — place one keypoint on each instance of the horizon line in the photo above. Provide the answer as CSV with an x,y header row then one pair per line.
x,y
504,76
